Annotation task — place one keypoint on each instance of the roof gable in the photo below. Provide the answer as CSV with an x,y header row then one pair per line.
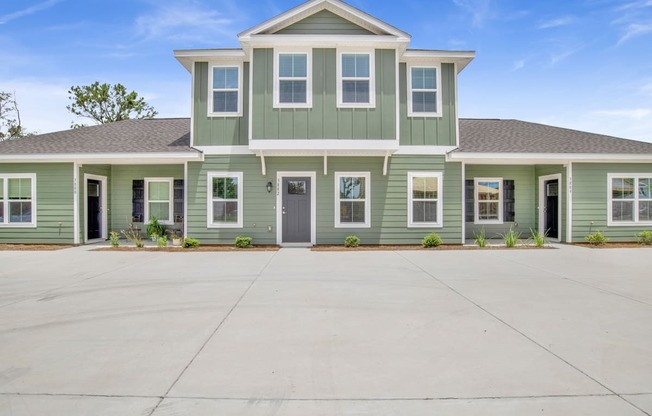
x,y
350,14
324,22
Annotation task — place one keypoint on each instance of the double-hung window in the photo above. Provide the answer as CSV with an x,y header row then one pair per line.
x,y
355,83
159,199
225,98
18,200
630,199
425,199
225,199
488,200
352,199
292,84
424,99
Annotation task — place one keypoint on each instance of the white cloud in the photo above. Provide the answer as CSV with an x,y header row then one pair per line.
x,y
635,30
636,113
27,11
555,59
636,5
560,21
479,9
518,64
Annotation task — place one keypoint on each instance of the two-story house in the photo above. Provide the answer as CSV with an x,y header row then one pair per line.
x,y
324,124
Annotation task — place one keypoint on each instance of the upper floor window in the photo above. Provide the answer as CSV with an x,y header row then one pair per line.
x,y
18,200
356,80
225,98
630,199
292,83
424,98
489,200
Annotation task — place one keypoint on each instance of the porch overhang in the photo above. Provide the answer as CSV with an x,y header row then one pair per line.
x,y
378,148
545,158
107,158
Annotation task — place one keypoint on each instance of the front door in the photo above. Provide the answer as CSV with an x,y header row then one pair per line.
x,y
551,207
296,210
94,207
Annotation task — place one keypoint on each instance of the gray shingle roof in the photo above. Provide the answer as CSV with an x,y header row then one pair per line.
x,y
515,136
128,136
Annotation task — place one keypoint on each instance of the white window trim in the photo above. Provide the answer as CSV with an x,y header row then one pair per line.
x,y
367,200
440,204
5,200
636,222
372,78
437,91
170,182
276,93
476,201
212,113
209,199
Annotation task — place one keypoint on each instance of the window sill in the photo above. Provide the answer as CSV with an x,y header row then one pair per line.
x,y
425,225
224,226
358,105
488,222
18,225
353,225
629,224
292,105
238,114
424,115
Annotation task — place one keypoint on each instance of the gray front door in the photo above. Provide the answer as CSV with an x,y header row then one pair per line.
x,y
296,210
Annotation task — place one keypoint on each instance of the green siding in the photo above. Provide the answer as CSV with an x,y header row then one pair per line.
x,y
324,120
590,200
211,131
524,192
545,170
429,131
324,23
388,198
99,170
122,177
54,204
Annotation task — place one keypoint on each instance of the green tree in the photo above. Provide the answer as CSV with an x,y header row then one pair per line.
x,y
10,124
105,103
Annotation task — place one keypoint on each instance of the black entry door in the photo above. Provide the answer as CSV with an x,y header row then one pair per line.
x,y
94,209
551,207
296,210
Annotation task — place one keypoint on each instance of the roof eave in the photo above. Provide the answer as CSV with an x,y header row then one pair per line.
x,y
520,158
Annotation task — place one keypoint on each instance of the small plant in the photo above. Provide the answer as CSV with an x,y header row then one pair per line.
x,y
480,238
538,238
431,240
190,243
645,237
155,228
597,238
133,235
511,237
351,241
115,238
162,241
242,242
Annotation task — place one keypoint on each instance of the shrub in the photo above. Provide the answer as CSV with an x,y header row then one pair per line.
x,y
162,242
597,238
190,243
155,228
511,237
115,238
431,240
351,241
538,238
133,235
242,242
645,237
481,238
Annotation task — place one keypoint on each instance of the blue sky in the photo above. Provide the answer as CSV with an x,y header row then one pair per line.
x,y
583,64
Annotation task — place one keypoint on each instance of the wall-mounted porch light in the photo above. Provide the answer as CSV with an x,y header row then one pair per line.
x,y
269,186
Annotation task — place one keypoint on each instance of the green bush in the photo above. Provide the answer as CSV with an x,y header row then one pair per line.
x,y
480,238
242,242
645,237
162,242
155,228
538,238
511,237
190,243
351,241
597,238
431,240
115,239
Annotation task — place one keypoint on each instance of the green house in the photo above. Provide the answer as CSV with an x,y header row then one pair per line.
x,y
323,124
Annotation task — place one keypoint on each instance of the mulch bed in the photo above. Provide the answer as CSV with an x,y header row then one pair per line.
x,y
403,247
176,249
34,247
613,245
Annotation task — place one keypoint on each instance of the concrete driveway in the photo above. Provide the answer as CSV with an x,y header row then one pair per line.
x,y
295,332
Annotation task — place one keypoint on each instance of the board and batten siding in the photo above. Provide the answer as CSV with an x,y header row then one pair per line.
x,y
98,170
590,200
429,131
122,177
54,204
524,193
324,120
324,23
388,198
218,131
545,170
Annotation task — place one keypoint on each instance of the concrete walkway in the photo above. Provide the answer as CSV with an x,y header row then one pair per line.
x,y
295,332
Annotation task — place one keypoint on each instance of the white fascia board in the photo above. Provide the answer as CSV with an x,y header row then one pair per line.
x,y
330,41
323,145
527,158
424,150
187,57
460,58
107,158
224,150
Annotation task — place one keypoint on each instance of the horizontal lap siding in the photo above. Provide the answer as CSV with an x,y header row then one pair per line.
x,y
388,198
54,204
590,200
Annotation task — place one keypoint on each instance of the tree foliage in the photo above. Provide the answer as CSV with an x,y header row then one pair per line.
x,y
105,103
10,124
